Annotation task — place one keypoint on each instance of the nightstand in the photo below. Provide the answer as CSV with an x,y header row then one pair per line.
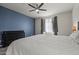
x,y
3,51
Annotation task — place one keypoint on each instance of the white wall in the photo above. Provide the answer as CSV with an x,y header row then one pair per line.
x,y
38,26
65,23
76,15
64,20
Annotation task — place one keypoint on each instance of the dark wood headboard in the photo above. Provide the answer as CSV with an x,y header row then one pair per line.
x,y
9,36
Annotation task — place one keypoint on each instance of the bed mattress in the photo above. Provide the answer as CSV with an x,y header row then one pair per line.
x,y
44,44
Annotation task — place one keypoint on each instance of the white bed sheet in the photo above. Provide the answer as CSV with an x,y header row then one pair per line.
x,y
44,44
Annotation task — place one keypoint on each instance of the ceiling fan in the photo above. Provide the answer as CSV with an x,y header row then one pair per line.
x,y
37,7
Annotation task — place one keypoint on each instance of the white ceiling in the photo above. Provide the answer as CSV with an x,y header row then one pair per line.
x,y
52,8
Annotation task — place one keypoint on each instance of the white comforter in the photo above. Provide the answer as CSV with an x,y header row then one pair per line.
x,y
43,44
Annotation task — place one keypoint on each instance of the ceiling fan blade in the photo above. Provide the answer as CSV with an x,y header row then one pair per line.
x,y
40,5
31,10
32,6
43,9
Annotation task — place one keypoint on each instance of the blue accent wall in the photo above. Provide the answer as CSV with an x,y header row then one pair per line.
x,y
12,21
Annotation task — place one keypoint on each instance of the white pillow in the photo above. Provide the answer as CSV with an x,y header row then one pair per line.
x,y
75,35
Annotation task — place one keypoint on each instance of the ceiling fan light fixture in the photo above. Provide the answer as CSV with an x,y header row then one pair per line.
x,y
37,10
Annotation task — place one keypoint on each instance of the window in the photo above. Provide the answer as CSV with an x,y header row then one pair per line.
x,y
48,25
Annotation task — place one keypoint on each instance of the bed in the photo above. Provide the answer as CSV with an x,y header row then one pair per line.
x,y
44,44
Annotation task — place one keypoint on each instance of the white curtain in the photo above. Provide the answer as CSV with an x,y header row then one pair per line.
x,y
48,25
